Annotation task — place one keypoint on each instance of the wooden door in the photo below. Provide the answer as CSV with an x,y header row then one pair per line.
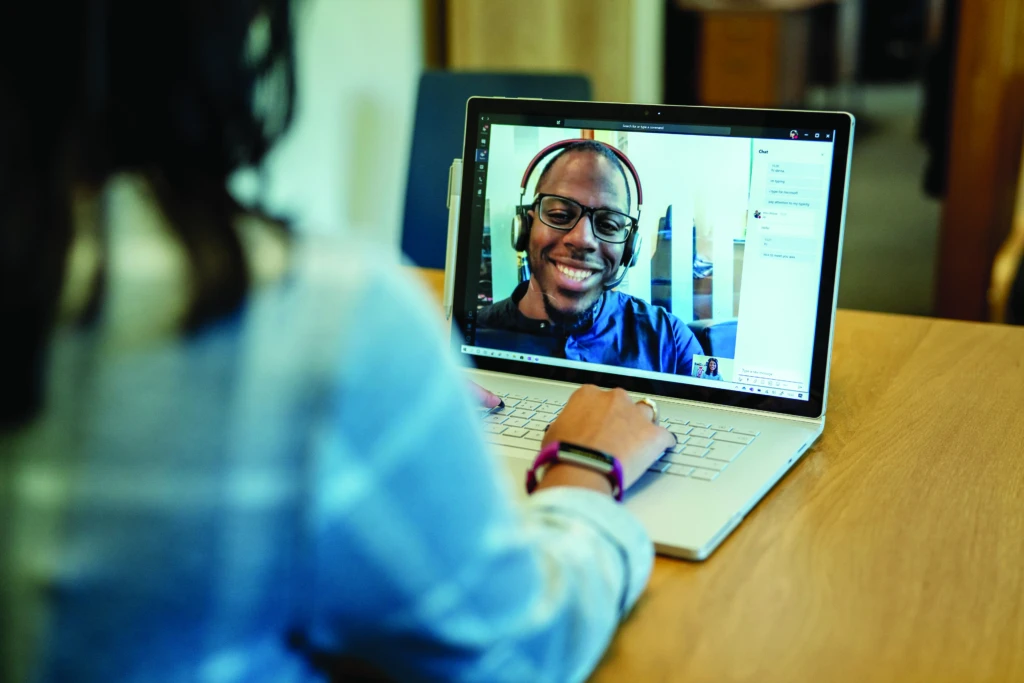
x,y
985,153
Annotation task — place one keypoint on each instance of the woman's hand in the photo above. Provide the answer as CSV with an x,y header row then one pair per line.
x,y
607,421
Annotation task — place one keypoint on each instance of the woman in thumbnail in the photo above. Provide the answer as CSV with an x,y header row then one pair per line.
x,y
711,369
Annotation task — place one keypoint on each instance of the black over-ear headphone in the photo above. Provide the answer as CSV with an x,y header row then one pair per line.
x,y
522,221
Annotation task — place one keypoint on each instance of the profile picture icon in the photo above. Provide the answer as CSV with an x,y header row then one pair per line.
x,y
757,214
793,135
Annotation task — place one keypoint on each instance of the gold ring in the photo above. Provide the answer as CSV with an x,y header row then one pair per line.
x,y
654,408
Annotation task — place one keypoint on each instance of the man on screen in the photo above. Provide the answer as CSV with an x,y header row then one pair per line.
x,y
576,236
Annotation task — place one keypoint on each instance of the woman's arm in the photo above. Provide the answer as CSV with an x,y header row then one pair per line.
x,y
424,565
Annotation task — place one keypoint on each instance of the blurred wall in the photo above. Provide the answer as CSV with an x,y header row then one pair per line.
x,y
342,167
616,43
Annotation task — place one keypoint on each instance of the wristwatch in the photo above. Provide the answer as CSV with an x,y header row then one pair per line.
x,y
570,453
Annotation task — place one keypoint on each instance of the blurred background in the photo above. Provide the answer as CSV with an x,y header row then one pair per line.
x,y
936,207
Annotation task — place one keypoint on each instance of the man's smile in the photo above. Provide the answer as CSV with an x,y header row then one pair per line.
x,y
575,276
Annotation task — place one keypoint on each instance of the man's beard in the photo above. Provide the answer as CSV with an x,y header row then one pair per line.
x,y
573,322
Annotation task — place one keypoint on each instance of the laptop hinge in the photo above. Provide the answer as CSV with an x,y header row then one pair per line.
x,y
454,200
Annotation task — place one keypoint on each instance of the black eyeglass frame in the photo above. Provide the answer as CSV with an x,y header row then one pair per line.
x,y
584,211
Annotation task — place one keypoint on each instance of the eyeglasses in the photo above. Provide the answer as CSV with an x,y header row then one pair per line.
x,y
562,213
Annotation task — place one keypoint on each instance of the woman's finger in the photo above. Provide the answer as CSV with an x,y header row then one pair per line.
x,y
486,398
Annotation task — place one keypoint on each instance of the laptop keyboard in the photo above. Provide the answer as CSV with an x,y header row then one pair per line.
x,y
702,452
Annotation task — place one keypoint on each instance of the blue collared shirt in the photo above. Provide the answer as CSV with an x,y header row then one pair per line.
x,y
620,330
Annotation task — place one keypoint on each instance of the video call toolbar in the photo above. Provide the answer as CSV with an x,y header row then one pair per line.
x,y
755,386
762,132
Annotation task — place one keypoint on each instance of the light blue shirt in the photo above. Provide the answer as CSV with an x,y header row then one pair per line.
x,y
306,477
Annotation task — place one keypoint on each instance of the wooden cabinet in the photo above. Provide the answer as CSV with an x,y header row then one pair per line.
x,y
753,59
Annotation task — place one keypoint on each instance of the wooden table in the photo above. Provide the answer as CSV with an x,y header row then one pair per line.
x,y
894,551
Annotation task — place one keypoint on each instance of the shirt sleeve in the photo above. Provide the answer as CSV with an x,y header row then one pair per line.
x,y
424,565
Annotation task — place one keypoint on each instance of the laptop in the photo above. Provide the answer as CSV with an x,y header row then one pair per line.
x,y
686,254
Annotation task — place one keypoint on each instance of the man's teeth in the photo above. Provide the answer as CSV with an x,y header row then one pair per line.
x,y
573,273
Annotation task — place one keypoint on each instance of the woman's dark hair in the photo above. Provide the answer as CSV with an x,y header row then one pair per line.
x,y
180,92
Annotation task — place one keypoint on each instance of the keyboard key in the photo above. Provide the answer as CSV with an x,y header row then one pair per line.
x,y
535,434
681,442
694,451
534,424
544,417
733,437
507,410
510,402
494,429
554,401
679,429
724,451
675,458
515,431
495,419
525,414
702,433
748,432
681,470
720,428
516,396
697,443
706,475
528,405
677,421
659,466
679,459
548,408
514,422
698,423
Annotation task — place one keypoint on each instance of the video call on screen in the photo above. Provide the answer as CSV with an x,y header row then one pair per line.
x,y
730,253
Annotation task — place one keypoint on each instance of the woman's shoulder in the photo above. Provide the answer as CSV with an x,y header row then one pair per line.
x,y
341,288
344,273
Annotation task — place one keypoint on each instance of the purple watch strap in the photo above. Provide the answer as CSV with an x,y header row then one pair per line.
x,y
549,455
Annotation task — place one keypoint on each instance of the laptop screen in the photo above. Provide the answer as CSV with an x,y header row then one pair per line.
x,y
712,279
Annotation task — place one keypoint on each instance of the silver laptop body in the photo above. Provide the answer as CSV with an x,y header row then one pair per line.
x,y
740,238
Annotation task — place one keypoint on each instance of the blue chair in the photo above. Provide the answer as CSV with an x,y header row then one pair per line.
x,y
716,337
437,139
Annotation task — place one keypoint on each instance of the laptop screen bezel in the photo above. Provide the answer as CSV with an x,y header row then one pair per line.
x,y
841,123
